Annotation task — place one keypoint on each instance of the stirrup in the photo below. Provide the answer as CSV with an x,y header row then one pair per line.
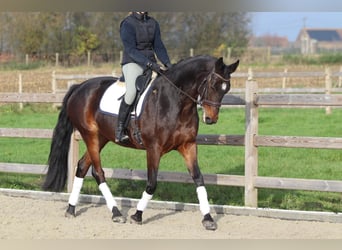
x,y
124,138
121,137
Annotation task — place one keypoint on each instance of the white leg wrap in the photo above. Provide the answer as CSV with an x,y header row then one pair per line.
x,y
107,195
142,204
203,200
76,189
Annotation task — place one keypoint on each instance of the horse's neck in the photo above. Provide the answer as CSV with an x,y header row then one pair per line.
x,y
190,75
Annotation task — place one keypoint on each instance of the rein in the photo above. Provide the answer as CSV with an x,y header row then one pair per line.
x,y
205,90
221,77
183,92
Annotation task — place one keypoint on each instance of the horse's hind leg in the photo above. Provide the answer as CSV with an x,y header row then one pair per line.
x,y
81,171
189,152
92,157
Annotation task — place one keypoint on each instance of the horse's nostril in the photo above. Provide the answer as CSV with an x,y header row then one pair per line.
x,y
208,120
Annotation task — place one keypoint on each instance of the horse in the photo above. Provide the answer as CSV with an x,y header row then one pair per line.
x,y
168,121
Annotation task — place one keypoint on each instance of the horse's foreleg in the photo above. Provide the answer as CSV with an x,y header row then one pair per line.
x,y
107,194
153,160
189,152
111,203
94,146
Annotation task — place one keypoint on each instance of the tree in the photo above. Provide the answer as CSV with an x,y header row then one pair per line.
x,y
27,34
45,33
4,31
205,32
106,26
85,41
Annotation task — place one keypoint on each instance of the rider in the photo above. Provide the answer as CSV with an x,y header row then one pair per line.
x,y
140,35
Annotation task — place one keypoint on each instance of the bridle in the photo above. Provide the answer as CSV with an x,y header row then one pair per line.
x,y
203,96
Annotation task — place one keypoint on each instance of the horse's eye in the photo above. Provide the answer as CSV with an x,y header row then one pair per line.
x,y
224,86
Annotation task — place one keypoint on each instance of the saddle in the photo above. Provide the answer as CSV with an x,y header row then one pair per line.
x,y
111,99
141,84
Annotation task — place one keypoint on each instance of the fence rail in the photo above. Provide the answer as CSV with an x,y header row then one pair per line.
x,y
327,75
250,141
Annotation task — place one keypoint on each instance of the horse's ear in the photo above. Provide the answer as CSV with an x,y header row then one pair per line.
x,y
232,67
219,65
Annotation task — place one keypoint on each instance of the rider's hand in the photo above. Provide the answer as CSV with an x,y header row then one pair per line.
x,y
168,66
154,66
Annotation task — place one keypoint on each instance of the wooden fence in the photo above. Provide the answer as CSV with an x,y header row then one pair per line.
x,y
251,141
327,87
250,74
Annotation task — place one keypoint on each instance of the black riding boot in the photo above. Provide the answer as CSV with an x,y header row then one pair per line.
x,y
120,134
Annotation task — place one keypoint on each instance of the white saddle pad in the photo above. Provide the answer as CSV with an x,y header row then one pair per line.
x,y
110,102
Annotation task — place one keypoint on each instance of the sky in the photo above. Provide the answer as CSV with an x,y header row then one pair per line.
x,y
288,24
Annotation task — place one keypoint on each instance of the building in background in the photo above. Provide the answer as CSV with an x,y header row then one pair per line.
x,y
314,40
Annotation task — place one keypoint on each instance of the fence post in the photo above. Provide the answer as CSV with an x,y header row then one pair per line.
x,y
229,53
327,88
88,58
268,59
284,80
251,151
250,75
53,83
57,60
340,78
54,86
121,55
20,88
72,160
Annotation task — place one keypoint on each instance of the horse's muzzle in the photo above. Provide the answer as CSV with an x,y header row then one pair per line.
x,y
209,118
209,121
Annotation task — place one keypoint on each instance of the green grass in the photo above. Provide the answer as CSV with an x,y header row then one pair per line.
x,y
278,162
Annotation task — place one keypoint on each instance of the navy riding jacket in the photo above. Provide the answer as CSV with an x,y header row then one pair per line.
x,y
140,35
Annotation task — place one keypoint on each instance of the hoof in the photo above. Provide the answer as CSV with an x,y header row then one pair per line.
x,y
209,223
119,219
137,218
117,216
70,213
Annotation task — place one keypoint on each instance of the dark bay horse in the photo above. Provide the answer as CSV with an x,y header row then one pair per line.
x,y
169,121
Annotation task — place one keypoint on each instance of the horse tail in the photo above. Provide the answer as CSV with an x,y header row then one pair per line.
x,y
58,158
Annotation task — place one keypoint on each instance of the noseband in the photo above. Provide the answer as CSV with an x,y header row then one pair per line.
x,y
204,93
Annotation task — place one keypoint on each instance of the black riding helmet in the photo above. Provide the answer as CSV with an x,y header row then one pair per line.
x,y
142,15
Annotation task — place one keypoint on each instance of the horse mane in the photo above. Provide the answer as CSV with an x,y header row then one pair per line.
x,y
181,69
190,62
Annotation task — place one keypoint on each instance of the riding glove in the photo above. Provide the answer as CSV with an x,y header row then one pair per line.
x,y
154,66
168,66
